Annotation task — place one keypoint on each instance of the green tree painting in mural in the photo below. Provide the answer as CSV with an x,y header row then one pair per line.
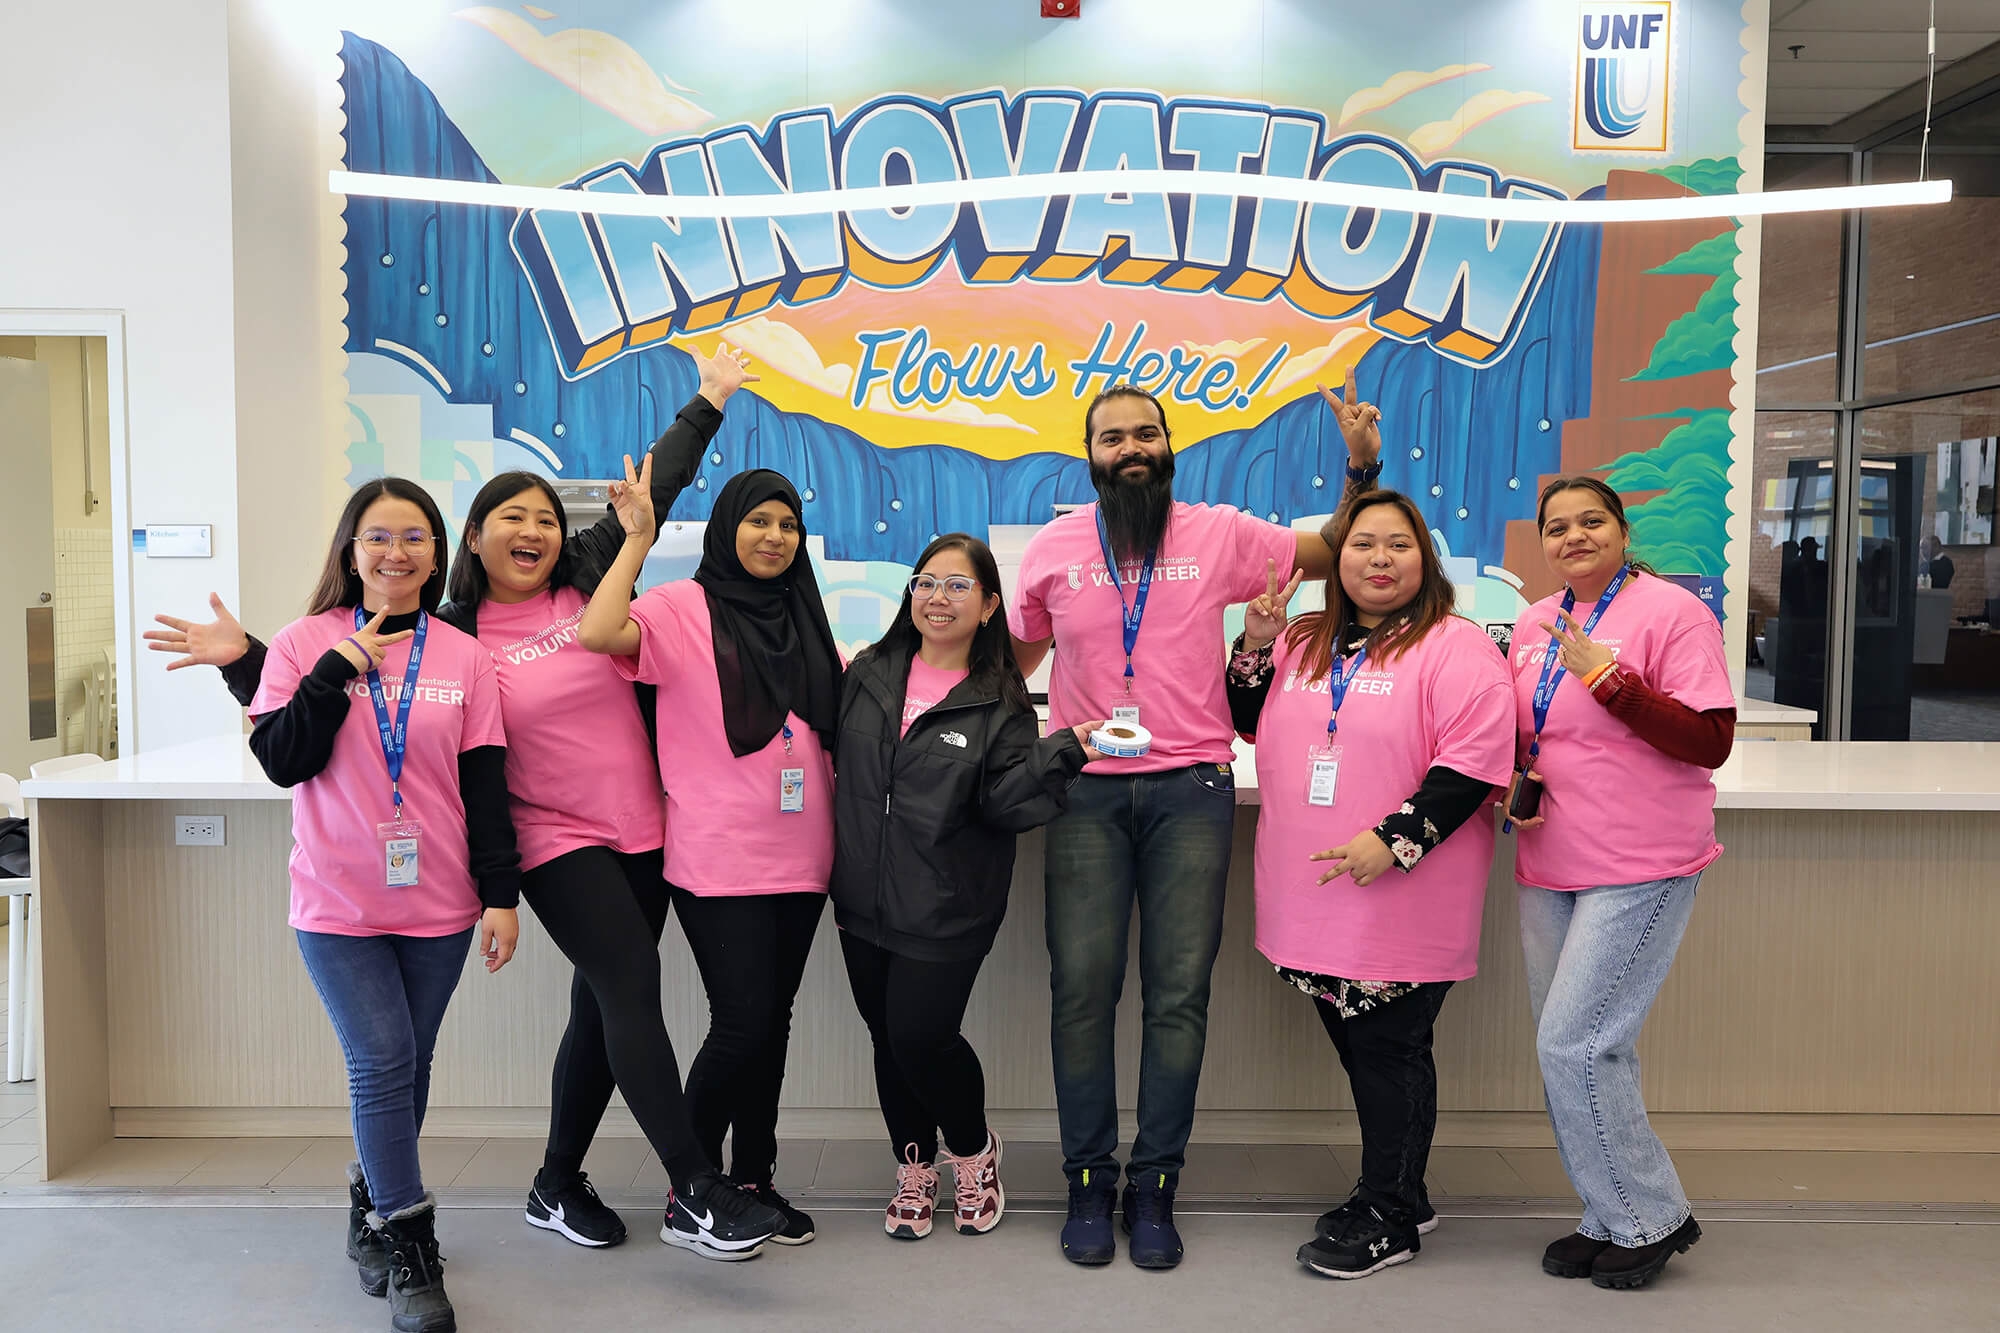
x,y
1684,529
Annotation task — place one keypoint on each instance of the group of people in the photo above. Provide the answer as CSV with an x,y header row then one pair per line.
x,y
545,734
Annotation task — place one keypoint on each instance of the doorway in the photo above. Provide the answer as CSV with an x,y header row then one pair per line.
x,y
58,658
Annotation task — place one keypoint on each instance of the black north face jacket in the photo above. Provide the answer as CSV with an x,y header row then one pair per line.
x,y
924,824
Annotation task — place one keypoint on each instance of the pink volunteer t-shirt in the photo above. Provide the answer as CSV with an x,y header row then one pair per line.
x,y
580,770
927,687
1445,701
1619,811
338,873
724,832
1213,557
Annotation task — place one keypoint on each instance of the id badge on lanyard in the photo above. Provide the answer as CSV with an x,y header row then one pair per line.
x,y
400,839
791,783
1125,706
1323,761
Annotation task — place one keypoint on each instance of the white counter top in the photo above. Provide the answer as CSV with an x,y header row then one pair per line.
x,y
1760,775
220,768
1764,713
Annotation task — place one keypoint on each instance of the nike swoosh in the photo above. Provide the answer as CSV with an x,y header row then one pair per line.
x,y
706,1221
554,1211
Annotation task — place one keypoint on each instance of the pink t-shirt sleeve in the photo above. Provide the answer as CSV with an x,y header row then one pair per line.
x,y
1027,612
1693,669
1472,709
482,724
662,640
1254,545
281,676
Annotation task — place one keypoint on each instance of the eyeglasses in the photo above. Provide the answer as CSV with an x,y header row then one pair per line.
x,y
416,541
956,588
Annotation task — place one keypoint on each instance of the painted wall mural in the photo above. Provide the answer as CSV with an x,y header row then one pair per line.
x,y
926,371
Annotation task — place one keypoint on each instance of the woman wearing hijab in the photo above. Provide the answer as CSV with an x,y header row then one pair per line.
x,y
749,695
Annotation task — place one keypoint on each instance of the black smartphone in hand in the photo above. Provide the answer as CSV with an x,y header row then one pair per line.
x,y
1527,798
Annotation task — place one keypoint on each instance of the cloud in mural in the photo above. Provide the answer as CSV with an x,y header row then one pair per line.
x,y
1398,86
1227,349
954,413
778,346
1432,139
1347,346
535,13
603,68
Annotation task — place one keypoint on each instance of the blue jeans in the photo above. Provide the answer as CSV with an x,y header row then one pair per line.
x,y
386,995
1161,840
1596,960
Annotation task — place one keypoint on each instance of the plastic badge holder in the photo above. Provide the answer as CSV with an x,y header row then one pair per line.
x,y
1122,740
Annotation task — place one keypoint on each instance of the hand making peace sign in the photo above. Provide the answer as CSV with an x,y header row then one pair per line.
x,y
1581,655
1360,423
632,500
1264,618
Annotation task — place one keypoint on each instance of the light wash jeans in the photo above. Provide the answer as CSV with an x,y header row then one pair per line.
x,y
1595,961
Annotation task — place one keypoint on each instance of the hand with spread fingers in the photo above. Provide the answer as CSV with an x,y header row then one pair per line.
x,y
1360,423
218,643
1264,618
722,374
1581,654
367,646
632,500
1363,856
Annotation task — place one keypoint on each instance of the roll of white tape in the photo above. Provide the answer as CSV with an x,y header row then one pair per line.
x,y
1122,740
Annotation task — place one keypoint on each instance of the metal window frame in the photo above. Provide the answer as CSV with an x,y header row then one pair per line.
x,y
1843,543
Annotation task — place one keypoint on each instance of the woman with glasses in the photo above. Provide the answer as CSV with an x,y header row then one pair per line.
x,y
386,722
941,764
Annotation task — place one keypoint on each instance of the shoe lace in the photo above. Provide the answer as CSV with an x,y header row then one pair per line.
x,y
968,1178
733,1204
417,1256
1356,1219
916,1184
1154,1205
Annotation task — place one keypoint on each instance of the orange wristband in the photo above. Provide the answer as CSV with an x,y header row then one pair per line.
x,y
1590,681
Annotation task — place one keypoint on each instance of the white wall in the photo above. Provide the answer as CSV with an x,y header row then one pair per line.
x,y
117,198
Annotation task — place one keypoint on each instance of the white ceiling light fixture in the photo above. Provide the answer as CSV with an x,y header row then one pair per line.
x,y
1519,207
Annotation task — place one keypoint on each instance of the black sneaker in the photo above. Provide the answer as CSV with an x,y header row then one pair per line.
x,y
1361,1243
1088,1236
1149,1221
574,1212
719,1221
798,1227
1427,1218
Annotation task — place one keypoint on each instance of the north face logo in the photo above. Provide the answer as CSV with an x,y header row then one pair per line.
x,y
953,738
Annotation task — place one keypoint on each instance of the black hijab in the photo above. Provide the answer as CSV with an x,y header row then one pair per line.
x,y
774,650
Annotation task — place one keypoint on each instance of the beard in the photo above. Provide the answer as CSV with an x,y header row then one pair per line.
x,y
1136,507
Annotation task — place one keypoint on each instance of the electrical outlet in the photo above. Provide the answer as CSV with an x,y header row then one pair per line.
x,y
198,830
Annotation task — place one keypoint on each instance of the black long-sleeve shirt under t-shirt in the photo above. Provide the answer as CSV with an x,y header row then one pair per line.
x,y
295,743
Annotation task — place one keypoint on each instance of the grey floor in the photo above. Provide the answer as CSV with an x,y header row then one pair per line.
x,y
82,1266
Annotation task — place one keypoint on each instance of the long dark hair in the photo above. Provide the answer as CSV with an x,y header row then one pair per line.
x,y
468,576
1397,633
991,665
339,585
1605,496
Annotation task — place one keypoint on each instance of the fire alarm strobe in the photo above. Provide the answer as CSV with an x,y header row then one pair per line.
x,y
1061,9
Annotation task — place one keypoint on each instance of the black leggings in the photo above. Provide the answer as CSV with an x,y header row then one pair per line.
x,y
926,1074
605,910
1387,1055
751,951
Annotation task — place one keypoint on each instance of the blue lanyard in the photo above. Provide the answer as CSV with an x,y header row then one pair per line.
x,y
1552,672
396,737
1336,687
1136,612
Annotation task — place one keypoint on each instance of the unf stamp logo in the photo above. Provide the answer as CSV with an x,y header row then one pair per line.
x,y
1624,77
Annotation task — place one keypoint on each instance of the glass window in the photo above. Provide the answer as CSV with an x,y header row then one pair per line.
x,y
1798,314
1933,278
1927,599
1791,523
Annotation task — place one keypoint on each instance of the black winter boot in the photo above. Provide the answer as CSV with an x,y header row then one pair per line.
x,y
417,1301
364,1244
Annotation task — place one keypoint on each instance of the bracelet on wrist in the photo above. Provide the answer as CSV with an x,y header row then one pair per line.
x,y
1369,473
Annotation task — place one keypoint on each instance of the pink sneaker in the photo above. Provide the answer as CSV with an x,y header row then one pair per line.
x,y
978,1197
909,1213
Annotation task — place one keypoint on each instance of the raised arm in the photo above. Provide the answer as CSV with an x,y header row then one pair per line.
x,y
1361,427
607,625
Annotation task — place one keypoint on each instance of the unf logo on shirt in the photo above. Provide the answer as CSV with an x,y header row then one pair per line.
x,y
1075,577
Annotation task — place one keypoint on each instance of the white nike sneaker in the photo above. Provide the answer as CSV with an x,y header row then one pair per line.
x,y
718,1221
